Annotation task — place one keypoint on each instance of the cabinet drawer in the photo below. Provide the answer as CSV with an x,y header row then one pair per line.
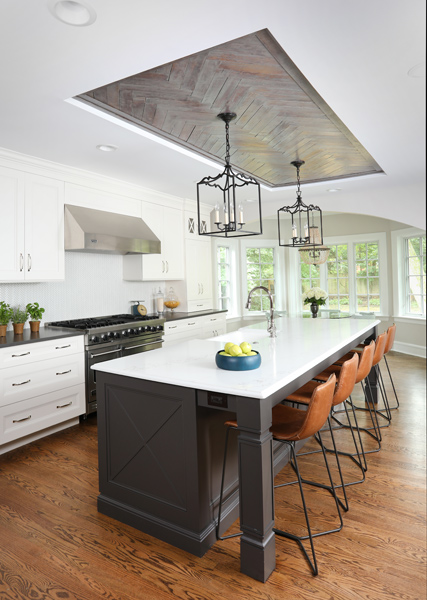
x,y
26,417
26,381
24,354
184,326
195,305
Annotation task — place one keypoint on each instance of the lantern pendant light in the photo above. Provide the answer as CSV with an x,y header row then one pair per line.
x,y
226,196
305,228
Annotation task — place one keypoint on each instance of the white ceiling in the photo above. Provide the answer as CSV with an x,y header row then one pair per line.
x,y
356,55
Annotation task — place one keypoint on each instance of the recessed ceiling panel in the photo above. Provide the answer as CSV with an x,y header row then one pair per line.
x,y
280,116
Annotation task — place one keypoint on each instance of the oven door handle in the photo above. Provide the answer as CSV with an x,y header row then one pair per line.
x,y
103,353
146,344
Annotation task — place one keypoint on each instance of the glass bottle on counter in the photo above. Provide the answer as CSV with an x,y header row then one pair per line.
x,y
159,302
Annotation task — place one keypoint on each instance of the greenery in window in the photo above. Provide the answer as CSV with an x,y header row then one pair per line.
x,y
416,275
338,281
223,257
260,271
367,277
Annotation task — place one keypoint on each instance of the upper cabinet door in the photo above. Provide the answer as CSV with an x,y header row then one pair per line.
x,y
173,244
12,246
44,229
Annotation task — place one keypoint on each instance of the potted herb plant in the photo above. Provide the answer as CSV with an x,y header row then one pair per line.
x,y
35,311
19,318
315,297
5,317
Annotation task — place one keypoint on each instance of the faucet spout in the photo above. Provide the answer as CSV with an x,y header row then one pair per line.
x,y
271,324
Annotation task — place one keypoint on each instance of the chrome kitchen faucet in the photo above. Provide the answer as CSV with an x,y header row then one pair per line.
x,y
271,328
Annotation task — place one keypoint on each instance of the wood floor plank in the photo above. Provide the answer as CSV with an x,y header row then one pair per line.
x,y
54,545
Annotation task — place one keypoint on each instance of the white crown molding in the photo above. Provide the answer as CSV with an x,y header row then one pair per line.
x,y
39,166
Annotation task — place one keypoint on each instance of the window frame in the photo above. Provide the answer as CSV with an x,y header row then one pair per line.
x,y
233,245
259,243
351,241
398,241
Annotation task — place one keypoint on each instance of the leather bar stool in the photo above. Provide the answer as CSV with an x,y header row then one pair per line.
x,y
346,379
391,334
363,369
374,412
290,425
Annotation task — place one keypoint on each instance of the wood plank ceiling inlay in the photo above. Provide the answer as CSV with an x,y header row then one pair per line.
x,y
280,116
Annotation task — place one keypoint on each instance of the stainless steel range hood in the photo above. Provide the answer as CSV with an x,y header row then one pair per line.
x,y
89,230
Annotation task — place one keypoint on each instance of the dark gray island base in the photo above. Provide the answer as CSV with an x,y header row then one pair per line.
x,y
160,461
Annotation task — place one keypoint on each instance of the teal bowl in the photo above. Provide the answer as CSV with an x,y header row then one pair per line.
x,y
238,363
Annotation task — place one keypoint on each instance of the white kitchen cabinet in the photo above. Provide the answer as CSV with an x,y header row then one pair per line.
x,y
32,238
166,223
213,325
202,327
42,389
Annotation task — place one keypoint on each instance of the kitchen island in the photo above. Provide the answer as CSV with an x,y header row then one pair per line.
x,y
160,428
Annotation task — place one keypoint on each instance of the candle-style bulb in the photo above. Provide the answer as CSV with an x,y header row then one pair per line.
x,y
294,231
216,209
241,221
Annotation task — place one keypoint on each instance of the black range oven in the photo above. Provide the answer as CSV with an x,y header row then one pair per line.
x,y
111,337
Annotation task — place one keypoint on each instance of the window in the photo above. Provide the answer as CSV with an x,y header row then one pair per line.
x,y
260,271
338,282
367,277
354,276
415,280
224,275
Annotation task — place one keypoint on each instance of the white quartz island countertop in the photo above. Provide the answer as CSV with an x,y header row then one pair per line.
x,y
300,345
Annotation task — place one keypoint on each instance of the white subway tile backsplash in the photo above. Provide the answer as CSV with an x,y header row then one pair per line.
x,y
93,287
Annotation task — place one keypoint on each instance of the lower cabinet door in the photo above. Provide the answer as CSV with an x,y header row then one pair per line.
x,y
29,416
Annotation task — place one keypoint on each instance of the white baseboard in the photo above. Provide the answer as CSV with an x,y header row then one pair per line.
x,y
412,349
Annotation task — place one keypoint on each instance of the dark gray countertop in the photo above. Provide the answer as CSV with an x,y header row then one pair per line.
x,y
169,315
28,338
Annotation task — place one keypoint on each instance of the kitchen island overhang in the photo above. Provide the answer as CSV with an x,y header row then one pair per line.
x,y
161,433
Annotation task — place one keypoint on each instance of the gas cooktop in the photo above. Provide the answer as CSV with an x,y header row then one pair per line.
x,y
109,321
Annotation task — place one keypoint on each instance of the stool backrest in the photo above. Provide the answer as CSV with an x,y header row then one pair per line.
x,y
346,380
365,362
379,348
391,334
318,409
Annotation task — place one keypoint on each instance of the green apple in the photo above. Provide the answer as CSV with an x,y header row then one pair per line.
x,y
246,347
225,354
227,346
252,353
235,350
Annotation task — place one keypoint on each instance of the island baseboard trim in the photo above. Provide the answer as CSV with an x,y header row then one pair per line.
x,y
190,541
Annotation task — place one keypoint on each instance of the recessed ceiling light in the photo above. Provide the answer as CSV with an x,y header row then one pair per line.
x,y
418,70
106,147
333,190
78,14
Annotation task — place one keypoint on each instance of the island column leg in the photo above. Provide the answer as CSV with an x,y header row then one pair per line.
x,y
257,544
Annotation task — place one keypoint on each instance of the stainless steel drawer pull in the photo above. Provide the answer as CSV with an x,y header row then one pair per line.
x,y
61,347
103,353
22,382
18,355
30,262
21,262
64,372
20,420
173,327
191,323
64,405
140,345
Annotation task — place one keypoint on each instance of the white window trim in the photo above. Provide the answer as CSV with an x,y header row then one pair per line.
x,y
233,244
398,238
381,238
279,285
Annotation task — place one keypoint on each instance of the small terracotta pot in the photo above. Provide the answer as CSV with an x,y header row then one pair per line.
x,y
18,328
3,330
34,326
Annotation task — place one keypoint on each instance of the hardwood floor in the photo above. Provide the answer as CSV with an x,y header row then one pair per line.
x,y
55,545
